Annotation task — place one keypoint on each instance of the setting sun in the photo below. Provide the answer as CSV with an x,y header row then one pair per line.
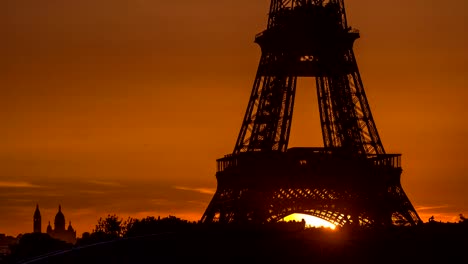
x,y
311,221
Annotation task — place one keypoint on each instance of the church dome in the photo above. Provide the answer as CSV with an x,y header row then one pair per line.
x,y
70,228
49,229
59,223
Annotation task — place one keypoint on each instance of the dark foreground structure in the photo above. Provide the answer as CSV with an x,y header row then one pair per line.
x,y
428,243
351,180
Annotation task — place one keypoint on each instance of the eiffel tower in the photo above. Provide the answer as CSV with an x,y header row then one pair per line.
x,y
351,180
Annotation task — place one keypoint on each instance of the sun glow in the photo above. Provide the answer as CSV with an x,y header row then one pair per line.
x,y
311,221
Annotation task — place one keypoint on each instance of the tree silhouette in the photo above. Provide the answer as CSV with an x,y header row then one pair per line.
x,y
462,219
110,226
151,225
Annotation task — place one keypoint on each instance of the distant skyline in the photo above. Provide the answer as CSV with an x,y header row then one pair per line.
x,y
112,107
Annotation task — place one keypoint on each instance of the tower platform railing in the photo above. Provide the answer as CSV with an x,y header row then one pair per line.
x,y
303,156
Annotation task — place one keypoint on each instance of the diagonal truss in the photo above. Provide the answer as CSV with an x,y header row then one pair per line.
x,y
351,180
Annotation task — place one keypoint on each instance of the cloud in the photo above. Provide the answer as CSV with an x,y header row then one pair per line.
x,y
198,190
105,183
425,208
198,203
93,192
5,184
159,201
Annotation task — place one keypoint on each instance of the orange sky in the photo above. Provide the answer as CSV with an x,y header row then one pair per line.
x,y
108,106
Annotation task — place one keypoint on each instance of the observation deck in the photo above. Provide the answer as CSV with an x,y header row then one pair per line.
x,y
304,156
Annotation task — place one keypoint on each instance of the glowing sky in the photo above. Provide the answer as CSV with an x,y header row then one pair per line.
x,y
113,106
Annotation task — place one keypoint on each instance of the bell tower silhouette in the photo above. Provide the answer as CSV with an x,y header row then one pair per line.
x,y
37,220
351,180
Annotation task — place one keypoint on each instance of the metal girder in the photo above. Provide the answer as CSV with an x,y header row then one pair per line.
x,y
267,122
346,118
350,180
264,187
345,114
280,7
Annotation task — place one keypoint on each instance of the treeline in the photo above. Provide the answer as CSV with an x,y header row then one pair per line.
x,y
109,228
112,227
171,239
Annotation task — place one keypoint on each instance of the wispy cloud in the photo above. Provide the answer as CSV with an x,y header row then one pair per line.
x,y
83,212
198,190
159,201
200,203
425,208
20,200
106,183
92,192
5,184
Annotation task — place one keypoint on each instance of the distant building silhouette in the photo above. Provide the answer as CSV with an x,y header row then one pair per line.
x,y
37,222
59,232
5,243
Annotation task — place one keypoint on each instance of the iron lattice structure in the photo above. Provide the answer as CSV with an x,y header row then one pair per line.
x,y
351,180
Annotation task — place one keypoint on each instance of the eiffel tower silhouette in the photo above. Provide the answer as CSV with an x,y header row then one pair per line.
x,y
349,181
